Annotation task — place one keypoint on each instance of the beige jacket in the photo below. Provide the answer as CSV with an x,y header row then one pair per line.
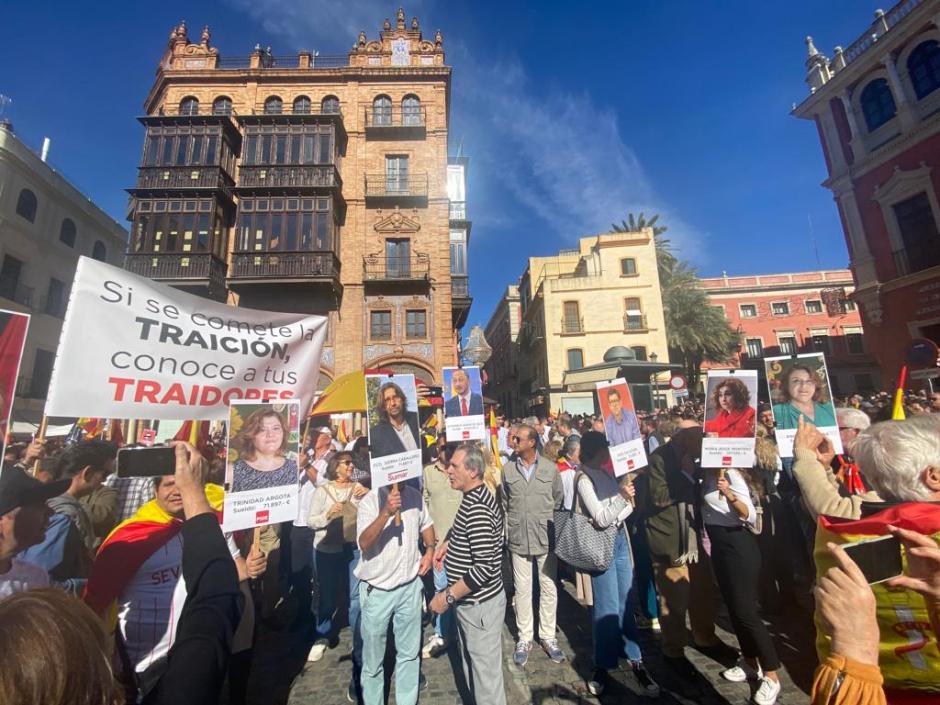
x,y
822,492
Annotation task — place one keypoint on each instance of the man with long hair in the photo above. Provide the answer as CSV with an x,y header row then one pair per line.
x,y
397,429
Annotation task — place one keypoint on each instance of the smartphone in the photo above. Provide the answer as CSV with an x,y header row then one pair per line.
x,y
146,462
879,559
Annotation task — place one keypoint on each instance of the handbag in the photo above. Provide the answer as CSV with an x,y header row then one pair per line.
x,y
578,542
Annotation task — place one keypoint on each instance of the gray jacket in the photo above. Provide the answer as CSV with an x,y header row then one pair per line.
x,y
529,504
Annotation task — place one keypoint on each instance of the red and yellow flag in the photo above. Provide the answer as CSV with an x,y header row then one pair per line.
x,y
494,436
126,548
897,412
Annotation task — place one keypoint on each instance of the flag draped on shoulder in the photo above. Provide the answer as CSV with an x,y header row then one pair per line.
x,y
126,548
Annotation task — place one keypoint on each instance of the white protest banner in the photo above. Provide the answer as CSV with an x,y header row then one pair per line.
x,y
621,427
13,327
799,386
730,416
394,433
463,404
261,465
133,348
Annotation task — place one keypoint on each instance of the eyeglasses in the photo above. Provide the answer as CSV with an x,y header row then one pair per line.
x,y
345,462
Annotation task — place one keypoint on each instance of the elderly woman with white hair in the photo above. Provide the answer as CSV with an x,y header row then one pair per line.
x,y
899,461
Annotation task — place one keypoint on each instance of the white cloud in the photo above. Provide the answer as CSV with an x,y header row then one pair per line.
x,y
560,156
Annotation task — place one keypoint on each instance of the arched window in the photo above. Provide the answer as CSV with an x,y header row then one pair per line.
x,y
301,105
222,105
99,251
329,105
189,106
273,106
411,110
382,110
67,232
877,104
26,205
923,65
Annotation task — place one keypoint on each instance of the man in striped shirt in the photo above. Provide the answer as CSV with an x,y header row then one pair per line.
x,y
471,556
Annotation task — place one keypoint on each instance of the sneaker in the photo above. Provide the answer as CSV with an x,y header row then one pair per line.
x,y
598,683
521,655
741,672
550,646
435,646
317,651
422,682
654,625
767,692
643,677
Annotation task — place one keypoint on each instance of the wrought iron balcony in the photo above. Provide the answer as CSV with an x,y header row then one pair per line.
x,y
459,287
181,179
916,258
397,188
14,291
460,299
178,268
322,176
634,322
411,268
572,326
396,123
293,266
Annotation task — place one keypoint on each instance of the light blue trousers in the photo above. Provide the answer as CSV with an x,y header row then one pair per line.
x,y
401,607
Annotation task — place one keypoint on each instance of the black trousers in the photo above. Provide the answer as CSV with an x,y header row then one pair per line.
x,y
736,562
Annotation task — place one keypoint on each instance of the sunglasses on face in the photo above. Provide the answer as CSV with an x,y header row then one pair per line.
x,y
345,462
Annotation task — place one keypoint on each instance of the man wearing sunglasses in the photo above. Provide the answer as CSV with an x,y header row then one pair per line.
x,y
531,490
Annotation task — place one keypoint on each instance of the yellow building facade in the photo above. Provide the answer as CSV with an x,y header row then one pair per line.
x,y
578,304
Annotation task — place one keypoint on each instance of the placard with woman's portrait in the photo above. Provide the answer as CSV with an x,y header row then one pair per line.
x,y
730,416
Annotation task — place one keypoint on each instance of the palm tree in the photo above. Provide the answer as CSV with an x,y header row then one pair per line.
x,y
695,331
665,257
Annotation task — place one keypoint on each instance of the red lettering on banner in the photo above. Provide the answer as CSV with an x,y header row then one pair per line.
x,y
630,463
726,461
466,435
177,394
262,516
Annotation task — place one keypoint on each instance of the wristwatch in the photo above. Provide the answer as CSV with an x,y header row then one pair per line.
x,y
449,597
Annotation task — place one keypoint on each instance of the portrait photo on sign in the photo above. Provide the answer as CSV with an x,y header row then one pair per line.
x,y
731,404
13,327
618,412
263,446
799,387
392,402
463,404
462,391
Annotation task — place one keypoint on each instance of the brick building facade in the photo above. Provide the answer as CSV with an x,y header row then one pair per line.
x,y
783,314
876,106
314,184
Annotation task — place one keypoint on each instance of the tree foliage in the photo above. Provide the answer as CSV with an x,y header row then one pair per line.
x,y
696,332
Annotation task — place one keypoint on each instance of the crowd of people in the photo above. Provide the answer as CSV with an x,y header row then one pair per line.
x,y
131,582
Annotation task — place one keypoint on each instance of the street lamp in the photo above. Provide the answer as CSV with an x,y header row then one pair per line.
x,y
477,350
653,385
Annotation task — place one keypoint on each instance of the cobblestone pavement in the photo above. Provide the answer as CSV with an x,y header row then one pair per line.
x,y
281,675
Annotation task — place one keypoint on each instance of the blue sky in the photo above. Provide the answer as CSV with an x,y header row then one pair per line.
x,y
573,114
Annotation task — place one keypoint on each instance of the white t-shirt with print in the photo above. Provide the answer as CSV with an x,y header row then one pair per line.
x,y
22,576
149,607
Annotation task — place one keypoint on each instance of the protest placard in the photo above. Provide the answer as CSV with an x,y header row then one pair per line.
x,y
261,469
620,424
463,404
133,348
394,436
799,386
13,327
730,415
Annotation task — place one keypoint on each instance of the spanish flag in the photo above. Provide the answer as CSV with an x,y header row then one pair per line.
x,y
908,655
196,433
127,547
494,436
897,413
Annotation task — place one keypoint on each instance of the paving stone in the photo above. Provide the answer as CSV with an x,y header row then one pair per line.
x,y
280,674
